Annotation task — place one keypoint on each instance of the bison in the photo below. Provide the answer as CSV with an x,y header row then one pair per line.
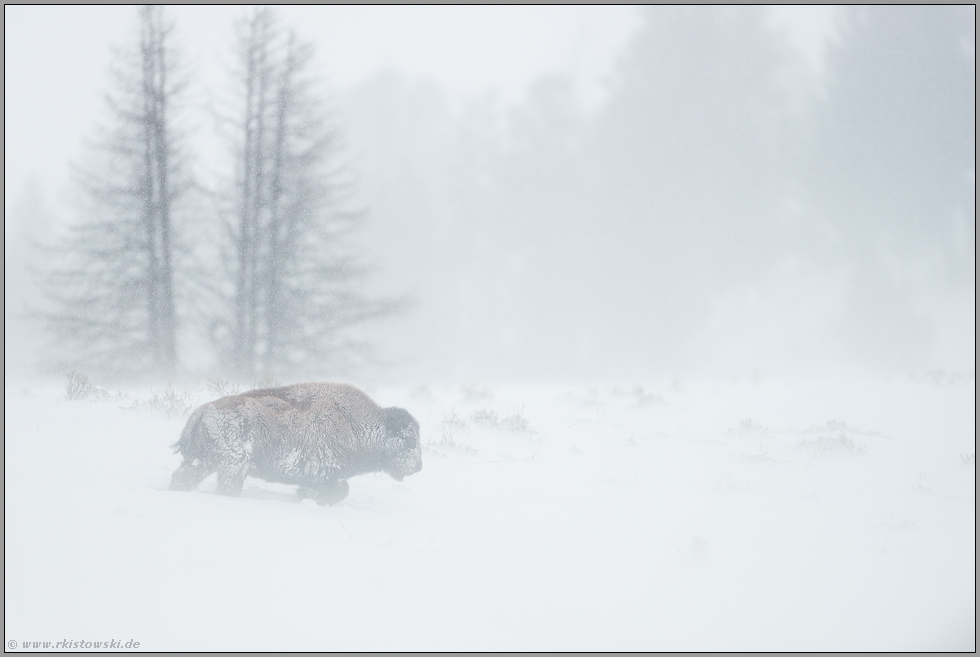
x,y
315,435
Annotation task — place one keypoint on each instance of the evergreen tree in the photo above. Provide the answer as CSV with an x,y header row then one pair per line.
x,y
293,282
692,177
892,168
894,148
112,297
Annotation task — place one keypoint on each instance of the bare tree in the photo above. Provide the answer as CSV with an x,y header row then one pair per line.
x,y
294,276
112,296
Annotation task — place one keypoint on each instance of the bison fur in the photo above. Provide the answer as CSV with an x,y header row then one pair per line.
x,y
314,435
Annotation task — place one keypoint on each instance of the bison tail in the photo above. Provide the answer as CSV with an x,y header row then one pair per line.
x,y
191,435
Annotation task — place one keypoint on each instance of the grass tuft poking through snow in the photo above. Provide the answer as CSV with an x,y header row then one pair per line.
x,y
483,417
517,423
77,386
841,444
447,445
221,388
451,421
170,403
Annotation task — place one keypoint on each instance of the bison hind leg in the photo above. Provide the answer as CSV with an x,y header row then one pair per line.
x,y
190,473
325,494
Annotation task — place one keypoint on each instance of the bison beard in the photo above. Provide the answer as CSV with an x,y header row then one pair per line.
x,y
315,435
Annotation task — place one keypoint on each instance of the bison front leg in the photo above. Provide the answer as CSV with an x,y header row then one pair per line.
x,y
231,480
333,493
327,494
232,473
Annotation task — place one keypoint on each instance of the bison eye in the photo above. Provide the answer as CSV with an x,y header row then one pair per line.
x,y
410,439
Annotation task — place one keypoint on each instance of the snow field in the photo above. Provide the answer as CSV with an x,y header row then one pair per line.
x,y
680,515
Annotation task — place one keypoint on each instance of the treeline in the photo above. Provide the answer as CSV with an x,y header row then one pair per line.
x,y
259,259
723,178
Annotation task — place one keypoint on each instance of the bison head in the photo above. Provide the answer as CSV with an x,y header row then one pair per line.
x,y
405,455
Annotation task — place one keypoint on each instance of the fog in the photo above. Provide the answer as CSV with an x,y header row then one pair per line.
x,y
586,194
719,261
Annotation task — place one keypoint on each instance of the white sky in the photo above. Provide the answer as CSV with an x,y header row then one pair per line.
x,y
56,58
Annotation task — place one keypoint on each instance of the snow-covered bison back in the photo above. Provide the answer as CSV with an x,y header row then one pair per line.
x,y
315,435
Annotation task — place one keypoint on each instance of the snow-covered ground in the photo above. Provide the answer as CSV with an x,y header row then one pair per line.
x,y
693,514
